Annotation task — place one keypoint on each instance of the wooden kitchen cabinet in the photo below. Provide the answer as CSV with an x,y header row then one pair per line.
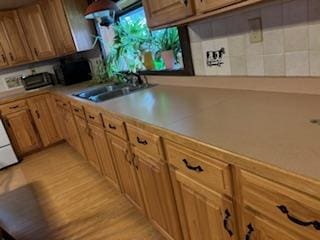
x,y
59,29
13,44
22,132
167,11
204,214
154,179
37,33
126,172
203,6
88,145
43,120
69,127
257,228
103,151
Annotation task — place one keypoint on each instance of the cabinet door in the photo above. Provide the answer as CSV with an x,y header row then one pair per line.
x,y
37,33
72,134
210,5
87,141
204,214
22,132
166,11
126,172
43,120
59,28
104,154
257,228
13,40
3,57
154,179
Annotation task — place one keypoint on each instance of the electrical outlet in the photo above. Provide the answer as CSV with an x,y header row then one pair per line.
x,y
255,27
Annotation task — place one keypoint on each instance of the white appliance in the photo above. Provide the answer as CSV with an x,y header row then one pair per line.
x,y
7,155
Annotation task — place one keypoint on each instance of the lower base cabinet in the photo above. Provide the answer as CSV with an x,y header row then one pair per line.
x,y
126,171
257,228
204,214
22,132
103,151
87,140
154,179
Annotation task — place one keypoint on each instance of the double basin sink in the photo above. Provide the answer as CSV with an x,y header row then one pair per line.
x,y
106,92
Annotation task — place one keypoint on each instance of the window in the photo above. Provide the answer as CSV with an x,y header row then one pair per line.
x,y
129,45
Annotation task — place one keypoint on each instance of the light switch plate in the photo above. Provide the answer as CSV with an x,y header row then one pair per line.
x,y
255,27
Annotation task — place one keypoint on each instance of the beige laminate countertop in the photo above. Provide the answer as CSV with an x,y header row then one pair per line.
x,y
273,128
270,127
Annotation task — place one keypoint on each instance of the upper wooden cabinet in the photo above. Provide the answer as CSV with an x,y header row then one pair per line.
x,y
13,45
69,30
203,6
167,11
82,30
59,29
37,32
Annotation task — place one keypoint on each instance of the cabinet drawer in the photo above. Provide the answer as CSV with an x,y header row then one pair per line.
x,y
203,169
115,126
62,103
290,208
13,107
145,141
77,110
93,116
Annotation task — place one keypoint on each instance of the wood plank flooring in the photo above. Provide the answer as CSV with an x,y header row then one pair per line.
x,y
55,194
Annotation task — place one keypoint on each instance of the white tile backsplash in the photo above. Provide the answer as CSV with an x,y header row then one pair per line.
x,y
290,46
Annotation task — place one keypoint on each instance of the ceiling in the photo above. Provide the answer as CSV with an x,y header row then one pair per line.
x,y
7,4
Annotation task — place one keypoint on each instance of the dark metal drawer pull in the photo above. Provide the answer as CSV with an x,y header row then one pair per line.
x,y
249,232
14,107
225,222
186,2
284,210
91,117
76,110
112,127
38,114
197,169
143,142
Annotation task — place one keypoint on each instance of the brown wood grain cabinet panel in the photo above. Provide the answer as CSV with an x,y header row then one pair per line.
x,y
87,140
59,29
167,11
43,120
126,172
103,151
15,49
208,171
203,6
37,33
278,203
202,211
258,228
22,132
81,29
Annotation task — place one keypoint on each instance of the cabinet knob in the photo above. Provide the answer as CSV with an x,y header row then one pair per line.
x,y
11,56
112,127
36,52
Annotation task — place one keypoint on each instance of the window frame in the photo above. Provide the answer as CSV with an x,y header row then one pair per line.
x,y
188,69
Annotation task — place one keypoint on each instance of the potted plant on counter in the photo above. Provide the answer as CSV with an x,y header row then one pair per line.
x,y
169,45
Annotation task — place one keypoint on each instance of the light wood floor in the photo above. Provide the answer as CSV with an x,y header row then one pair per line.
x,y
55,194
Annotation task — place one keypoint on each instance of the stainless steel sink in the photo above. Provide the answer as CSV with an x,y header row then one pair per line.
x,y
106,92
